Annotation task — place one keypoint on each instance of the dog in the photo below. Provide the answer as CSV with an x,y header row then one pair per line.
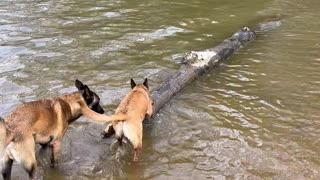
x,y
130,113
44,122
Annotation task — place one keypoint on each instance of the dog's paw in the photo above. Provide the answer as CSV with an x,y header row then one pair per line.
x,y
135,158
105,135
148,117
53,163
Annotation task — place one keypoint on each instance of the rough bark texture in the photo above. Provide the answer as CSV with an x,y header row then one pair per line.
x,y
196,63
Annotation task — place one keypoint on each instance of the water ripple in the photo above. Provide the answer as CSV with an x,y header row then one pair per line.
x,y
254,117
129,39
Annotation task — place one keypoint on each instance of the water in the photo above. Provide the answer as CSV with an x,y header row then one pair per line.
x,y
256,116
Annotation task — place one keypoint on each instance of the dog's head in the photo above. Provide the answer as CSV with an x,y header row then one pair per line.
x,y
143,85
91,98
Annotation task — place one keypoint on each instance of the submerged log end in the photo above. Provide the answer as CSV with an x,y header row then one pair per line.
x,y
267,26
243,36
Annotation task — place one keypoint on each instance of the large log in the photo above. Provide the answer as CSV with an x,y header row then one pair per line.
x,y
196,63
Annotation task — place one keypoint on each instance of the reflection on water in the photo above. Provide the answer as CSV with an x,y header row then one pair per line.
x,y
254,117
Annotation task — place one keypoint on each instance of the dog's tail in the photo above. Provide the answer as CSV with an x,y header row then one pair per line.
x,y
101,118
118,117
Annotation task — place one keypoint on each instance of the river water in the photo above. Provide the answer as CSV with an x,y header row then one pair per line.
x,y
256,116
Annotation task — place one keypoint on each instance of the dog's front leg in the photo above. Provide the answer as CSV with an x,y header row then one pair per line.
x,y
55,152
137,152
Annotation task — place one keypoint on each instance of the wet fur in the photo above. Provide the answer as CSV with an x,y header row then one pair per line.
x,y
133,109
43,122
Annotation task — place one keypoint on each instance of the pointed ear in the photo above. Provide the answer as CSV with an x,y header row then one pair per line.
x,y
95,100
145,83
79,84
86,90
133,84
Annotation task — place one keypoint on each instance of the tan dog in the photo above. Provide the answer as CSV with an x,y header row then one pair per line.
x,y
133,109
44,122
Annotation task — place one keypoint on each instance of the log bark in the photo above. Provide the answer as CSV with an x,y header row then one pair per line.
x,y
196,63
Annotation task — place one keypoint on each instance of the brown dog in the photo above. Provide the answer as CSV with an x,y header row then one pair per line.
x,y
44,122
133,109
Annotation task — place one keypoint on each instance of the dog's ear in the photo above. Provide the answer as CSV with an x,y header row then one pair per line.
x,y
145,83
79,84
96,98
133,84
87,91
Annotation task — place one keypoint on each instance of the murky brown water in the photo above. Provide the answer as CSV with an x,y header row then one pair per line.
x,y
254,117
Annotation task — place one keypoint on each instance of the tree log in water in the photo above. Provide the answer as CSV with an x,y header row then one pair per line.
x,y
196,63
